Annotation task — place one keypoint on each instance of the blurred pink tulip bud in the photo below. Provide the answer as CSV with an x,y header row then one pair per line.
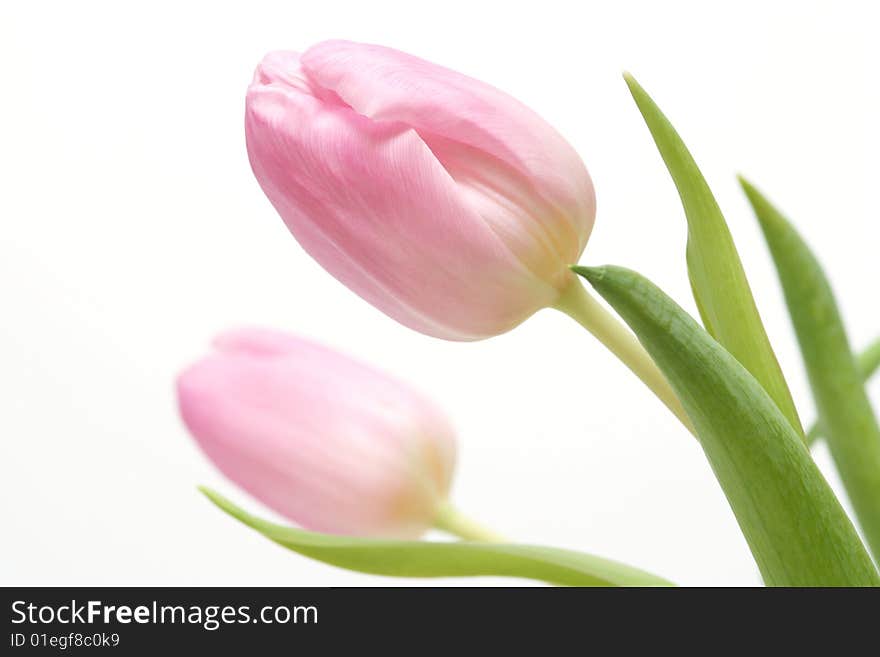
x,y
441,200
328,442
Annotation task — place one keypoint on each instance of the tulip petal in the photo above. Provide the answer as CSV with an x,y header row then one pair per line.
x,y
371,203
321,438
450,111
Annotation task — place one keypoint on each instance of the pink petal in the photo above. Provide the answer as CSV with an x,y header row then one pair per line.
x,y
371,202
330,443
442,104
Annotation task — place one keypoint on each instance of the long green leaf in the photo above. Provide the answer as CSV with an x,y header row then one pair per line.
x,y
718,281
454,559
853,434
868,362
796,529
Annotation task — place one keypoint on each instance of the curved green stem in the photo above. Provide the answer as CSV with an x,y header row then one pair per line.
x,y
452,521
576,302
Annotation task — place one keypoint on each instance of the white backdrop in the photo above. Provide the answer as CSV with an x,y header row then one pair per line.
x,y
133,230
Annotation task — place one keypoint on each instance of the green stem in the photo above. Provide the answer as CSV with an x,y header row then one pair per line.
x,y
581,306
452,521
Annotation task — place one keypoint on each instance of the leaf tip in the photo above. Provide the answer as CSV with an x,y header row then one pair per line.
x,y
214,497
749,189
768,217
594,275
634,87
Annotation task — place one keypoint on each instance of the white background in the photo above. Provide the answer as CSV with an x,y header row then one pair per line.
x,y
133,230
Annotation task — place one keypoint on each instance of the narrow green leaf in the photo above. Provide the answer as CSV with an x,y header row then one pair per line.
x,y
718,281
454,559
868,362
853,434
797,530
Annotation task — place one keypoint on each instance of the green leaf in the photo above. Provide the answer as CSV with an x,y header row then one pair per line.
x,y
796,529
853,434
718,280
454,559
868,362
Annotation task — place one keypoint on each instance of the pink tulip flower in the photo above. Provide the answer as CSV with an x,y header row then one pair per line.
x,y
326,441
441,200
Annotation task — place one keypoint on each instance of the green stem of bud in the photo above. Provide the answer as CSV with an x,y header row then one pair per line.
x,y
576,302
452,521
